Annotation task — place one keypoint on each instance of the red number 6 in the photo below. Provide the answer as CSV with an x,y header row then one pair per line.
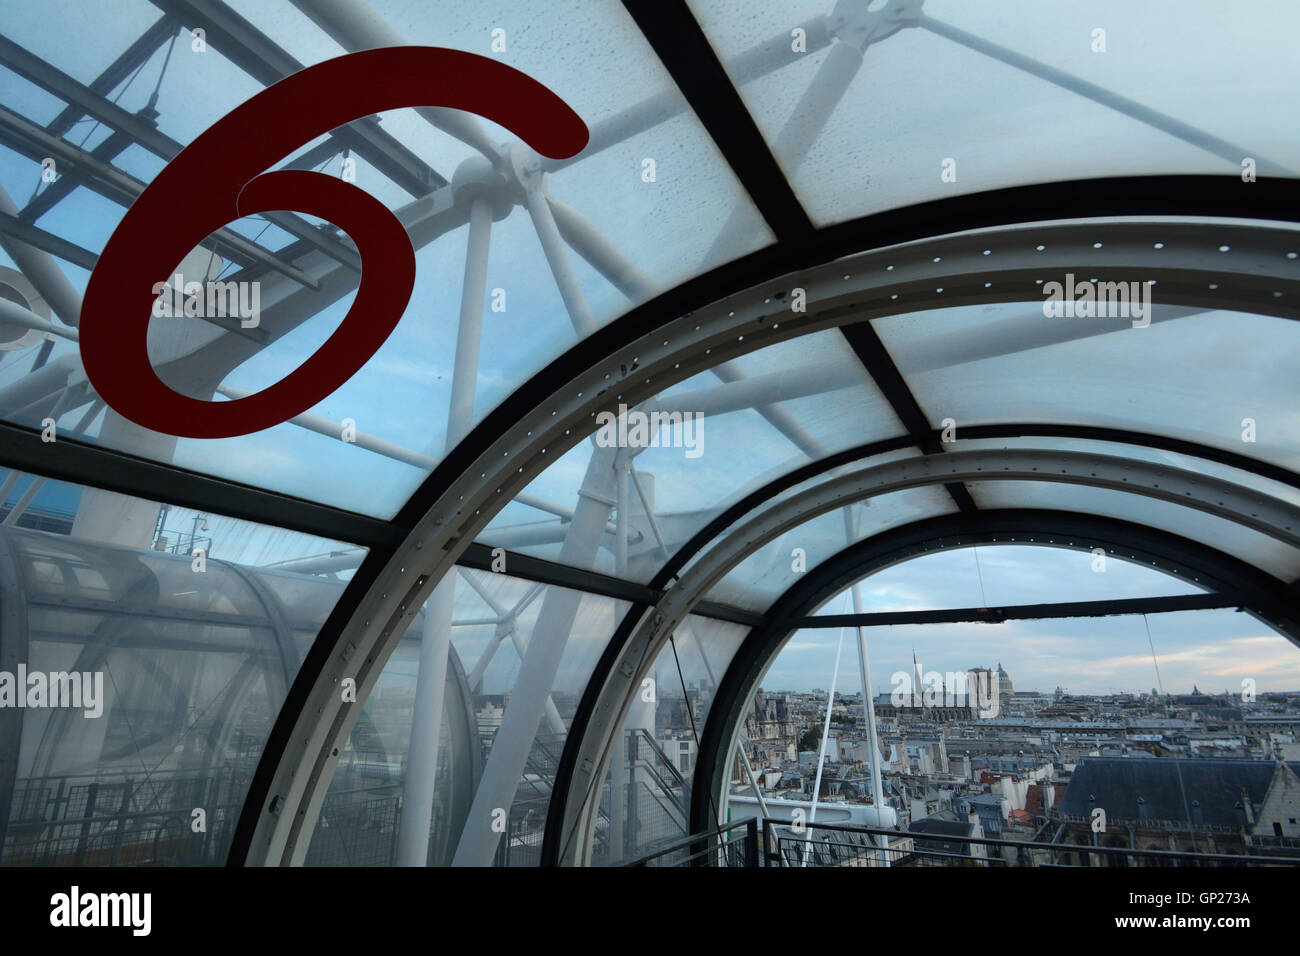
x,y
219,177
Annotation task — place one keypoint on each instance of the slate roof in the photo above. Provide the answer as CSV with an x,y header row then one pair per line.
x,y
1116,783
939,827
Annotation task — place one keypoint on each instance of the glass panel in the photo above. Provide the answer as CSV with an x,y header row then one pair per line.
x,y
767,573
1252,547
646,797
693,472
798,489
1000,575
29,100
144,655
921,116
495,619
1195,377
65,34
645,191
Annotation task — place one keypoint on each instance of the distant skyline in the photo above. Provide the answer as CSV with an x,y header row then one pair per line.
x,y
1211,650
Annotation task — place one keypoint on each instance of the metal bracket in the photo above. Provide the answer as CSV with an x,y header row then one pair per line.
x,y
852,22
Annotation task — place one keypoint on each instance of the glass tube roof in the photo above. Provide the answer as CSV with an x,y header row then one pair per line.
x,y
687,260
1001,92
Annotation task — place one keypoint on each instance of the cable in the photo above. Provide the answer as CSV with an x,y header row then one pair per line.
x,y
1150,643
153,97
984,601
690,714
41,181
1178,767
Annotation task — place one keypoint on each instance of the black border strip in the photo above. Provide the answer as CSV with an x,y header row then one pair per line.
x,y
1029,612
875,358
676,37
67,459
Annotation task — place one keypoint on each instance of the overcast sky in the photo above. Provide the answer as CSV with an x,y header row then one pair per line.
x,y
1214,650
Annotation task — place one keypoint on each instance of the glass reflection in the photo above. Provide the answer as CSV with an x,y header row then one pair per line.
x,y
138,679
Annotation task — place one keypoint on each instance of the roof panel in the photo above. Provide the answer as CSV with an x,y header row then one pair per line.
x,y
801,400
646,199
922,116
997,575
1197,376
763,576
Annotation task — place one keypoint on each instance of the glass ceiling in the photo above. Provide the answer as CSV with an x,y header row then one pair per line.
x,y
667,204
1005,574
763,576
974,365
692,477
964,82
662,225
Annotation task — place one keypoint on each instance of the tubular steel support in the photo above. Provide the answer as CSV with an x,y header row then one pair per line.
x,y
584,323
514,738
431,678
1122,104
245,46
42,271
601,254
355,26
868,696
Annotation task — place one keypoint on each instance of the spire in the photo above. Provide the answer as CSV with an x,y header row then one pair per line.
x,y
918,688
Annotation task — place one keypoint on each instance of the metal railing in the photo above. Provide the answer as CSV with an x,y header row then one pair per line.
x,y
837,845
734,844
781,843
357,828
139,820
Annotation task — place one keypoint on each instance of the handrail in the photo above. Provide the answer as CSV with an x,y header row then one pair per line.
x,y
698,844
1236,859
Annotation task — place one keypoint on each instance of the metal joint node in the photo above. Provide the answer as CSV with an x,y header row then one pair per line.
x,y
853,23
476,178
